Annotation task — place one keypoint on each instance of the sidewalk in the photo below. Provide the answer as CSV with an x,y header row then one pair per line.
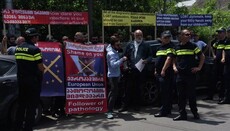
x,y
214,117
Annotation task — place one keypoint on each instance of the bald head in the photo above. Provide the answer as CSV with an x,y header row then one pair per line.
x,y
20,40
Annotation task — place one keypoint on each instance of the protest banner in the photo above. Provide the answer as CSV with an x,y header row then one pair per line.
x,y
53,78
44,17
85,78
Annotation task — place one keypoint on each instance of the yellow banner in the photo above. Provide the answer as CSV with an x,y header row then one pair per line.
x,y
116,18
143,19
120,18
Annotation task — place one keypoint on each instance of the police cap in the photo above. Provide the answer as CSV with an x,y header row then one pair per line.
x,y
221,29
31,32
166,34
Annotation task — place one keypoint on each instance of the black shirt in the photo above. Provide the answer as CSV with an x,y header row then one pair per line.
x,y
186,57
28,56
227,51
219,47
162,53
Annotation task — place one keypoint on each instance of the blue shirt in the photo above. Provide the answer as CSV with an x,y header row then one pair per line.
x,y
113,62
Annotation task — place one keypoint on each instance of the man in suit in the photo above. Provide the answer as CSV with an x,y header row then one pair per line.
x,y
135,51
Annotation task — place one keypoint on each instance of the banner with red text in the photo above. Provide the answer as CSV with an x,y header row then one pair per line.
x,y
85,78
44,17
53,78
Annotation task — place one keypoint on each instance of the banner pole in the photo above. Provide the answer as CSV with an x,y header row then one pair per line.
x,y
4,29
103,29
49,31
130,31
155,33
88,33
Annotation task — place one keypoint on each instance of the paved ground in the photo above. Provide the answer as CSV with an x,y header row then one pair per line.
x,y
213,118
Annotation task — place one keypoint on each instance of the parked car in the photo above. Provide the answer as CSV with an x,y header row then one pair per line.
x,y
9,90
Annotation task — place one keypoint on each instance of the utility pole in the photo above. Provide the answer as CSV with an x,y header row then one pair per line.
x,y
164,7
9,5
90,15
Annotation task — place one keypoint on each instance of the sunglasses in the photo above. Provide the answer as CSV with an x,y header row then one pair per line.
x,y
166,37
187,34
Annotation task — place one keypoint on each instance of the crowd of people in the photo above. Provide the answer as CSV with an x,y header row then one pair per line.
x,y
177,64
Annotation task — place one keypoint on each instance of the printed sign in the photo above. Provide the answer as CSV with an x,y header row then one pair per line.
x,y
85,78
116,18
143,19
120,18
195,20
168,20
44,17
183,20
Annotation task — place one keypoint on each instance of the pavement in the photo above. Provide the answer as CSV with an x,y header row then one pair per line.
x,y
214,117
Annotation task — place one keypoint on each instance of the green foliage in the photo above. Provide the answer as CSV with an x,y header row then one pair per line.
x,y
220,19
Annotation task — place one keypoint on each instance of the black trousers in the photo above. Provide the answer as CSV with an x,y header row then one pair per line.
x,y
133,91
28,99
113,93
166,87
186,90
216,75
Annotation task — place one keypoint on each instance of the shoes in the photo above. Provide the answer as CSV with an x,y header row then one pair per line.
x,y
180,117
208,98
224,102
221,99
123,109
196,116
136,108
55,115
109,115
160,115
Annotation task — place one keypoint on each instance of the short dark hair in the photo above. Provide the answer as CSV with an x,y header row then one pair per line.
x,y
113,40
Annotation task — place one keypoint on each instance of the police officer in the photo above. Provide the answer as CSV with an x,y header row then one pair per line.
x,y
226,60
218,68
185,65
164,72
29,73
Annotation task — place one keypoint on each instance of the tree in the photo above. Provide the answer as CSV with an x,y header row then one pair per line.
x,y
220,18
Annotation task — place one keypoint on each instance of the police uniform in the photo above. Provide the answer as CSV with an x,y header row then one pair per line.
x,y
185,81
226,99
28,56
165,82
218,68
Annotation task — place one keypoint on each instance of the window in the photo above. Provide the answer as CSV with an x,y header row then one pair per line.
x,y
5,66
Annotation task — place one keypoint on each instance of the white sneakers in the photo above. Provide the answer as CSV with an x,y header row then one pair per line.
x,y
109,115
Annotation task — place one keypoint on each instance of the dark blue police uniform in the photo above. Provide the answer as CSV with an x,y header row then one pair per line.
x,y
185,81
165,82
218,69
28,56
227,73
